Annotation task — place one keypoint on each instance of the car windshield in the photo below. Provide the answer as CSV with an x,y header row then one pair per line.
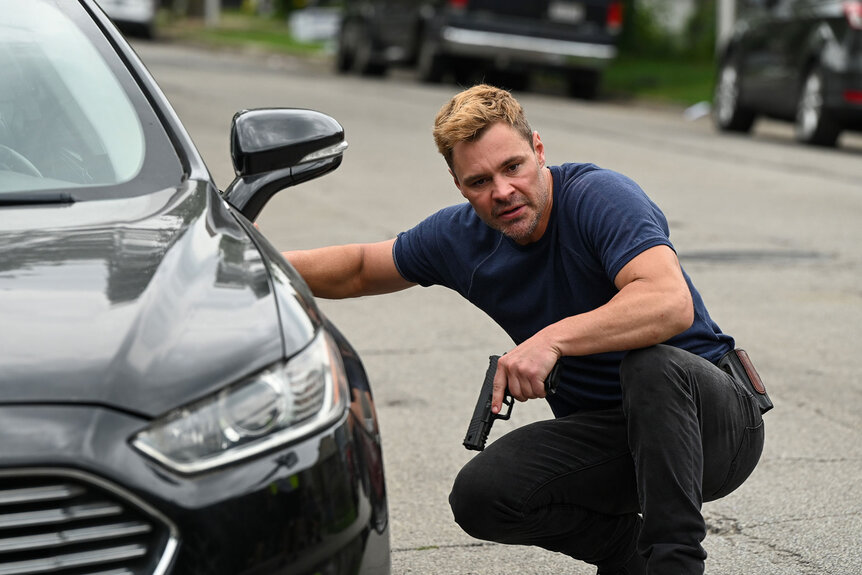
x,y
70,118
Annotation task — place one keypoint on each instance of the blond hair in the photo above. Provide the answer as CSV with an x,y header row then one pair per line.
x,y
468,114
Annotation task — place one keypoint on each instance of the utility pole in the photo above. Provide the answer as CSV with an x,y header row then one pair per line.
x,y
725,18
212,13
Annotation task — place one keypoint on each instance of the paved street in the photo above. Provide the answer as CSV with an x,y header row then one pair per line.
x,y
770,232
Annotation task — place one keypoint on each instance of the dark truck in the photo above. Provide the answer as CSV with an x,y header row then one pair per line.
x,y
499,41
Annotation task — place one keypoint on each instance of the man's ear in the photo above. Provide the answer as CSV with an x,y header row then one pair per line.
x,y
539,147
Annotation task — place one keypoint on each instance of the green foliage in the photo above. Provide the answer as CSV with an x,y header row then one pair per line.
x,y
702,31
285,7
659,65
645,36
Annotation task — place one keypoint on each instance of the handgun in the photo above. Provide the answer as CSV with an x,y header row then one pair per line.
x,y
483,417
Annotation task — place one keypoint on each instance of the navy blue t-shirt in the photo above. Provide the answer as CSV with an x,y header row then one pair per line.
x,y
599,221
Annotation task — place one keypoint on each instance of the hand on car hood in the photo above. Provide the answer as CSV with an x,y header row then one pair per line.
x,y
140,314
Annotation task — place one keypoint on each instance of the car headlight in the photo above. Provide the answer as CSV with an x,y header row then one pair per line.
x,y
275,406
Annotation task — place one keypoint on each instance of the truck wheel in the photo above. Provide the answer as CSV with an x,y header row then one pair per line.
x,y
583,84
343,53
508,79
365,61
814,124
431,65
727,114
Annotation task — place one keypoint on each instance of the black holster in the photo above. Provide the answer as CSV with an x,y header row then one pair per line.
x,y
739,365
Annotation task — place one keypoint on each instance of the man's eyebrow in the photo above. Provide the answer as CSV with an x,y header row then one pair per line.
x,y
516,159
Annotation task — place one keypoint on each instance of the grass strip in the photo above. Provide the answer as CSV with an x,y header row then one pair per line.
x,y
674,81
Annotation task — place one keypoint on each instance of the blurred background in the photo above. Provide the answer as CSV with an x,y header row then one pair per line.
x,y
666,48
736,60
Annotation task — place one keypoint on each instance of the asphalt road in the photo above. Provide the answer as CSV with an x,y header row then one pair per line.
x,y
769,231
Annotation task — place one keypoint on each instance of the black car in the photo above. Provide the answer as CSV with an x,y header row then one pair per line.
x,y
172,401
796,60
500,41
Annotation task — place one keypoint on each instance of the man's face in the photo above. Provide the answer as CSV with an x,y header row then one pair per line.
x,y
505,181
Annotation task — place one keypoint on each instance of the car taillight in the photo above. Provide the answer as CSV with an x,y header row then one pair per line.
x,y
853,11
458,4
615,17
853,96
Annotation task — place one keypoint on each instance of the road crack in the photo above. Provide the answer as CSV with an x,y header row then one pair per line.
x,y
443,546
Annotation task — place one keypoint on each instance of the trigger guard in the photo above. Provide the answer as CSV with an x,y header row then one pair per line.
x,y
508,401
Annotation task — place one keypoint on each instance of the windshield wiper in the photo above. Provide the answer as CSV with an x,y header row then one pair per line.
x,y
35,198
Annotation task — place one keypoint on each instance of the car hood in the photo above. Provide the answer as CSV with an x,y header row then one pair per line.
x,y
141,304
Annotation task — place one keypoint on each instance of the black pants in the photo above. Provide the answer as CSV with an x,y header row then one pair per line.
x,y
686,433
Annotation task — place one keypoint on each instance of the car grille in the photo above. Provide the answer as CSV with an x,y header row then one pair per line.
x,y
70,523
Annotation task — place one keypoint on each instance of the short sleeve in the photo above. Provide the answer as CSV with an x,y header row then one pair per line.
x,y
619,220
417,252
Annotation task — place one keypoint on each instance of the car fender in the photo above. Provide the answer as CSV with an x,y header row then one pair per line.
x,y
825,48
821,48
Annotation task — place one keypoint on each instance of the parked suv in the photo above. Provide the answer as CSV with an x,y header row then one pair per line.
x,y
498,40
797,60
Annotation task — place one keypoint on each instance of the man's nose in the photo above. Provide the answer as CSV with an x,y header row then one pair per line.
x,y
502,189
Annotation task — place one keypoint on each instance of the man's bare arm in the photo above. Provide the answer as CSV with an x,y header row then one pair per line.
x,y
350,270
652,305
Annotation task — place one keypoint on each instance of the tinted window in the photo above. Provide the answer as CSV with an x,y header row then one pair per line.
x,y
70,115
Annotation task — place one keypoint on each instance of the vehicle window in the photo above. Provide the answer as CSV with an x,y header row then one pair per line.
x,y
66,120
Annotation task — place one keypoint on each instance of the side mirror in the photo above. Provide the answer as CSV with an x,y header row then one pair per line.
x,y
275,148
